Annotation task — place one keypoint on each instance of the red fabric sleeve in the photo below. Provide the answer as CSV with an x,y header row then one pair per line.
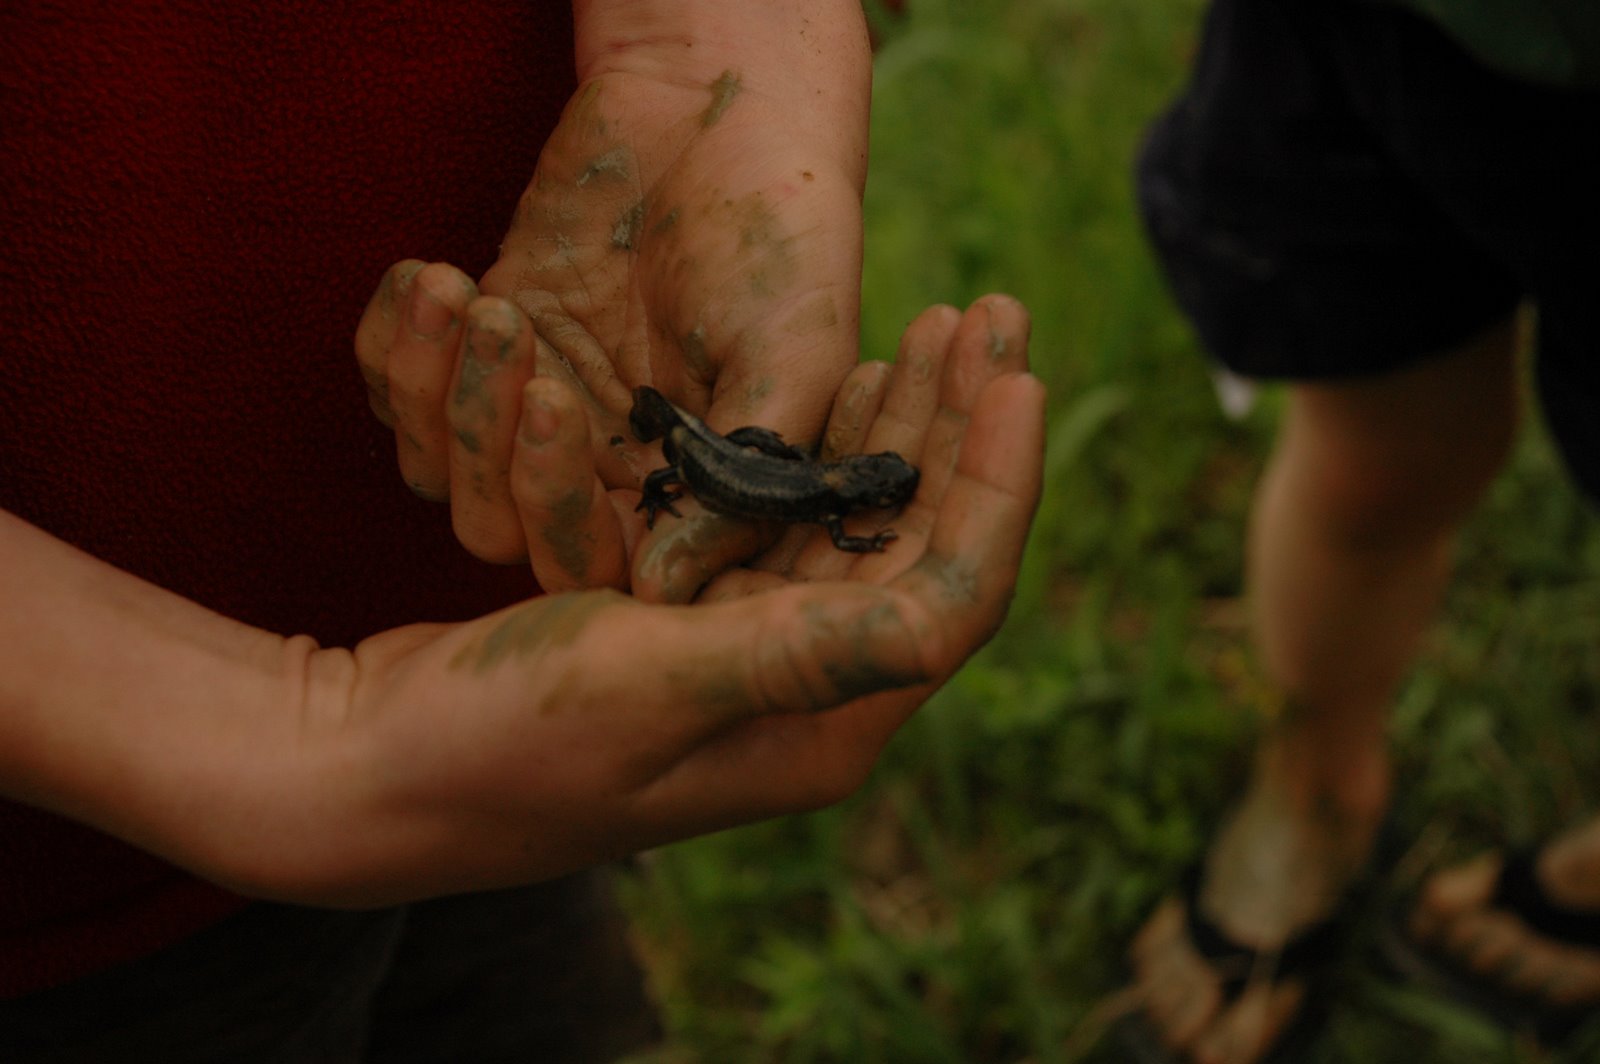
x,y
196,200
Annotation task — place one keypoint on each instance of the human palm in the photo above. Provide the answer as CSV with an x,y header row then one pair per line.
x,y
692,236
775,692
682,235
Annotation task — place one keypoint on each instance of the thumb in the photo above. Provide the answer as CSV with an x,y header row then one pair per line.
x,y
798,649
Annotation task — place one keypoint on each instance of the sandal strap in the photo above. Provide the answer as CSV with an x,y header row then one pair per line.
x,y
1312,948
1520,892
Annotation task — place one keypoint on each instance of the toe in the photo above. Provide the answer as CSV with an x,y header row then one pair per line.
x,y
1452,894
1254,1023
1181,993
1455,915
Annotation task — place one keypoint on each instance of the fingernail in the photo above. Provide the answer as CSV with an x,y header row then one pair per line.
x,y
429,317
540,423
491,335
397,285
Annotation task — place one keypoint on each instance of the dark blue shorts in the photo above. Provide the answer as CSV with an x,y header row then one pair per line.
x,y
537,974
1340,191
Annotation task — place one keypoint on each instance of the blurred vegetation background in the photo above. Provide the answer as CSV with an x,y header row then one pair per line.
x,y
973,903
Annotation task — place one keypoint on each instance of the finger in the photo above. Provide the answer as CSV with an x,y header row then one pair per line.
x,y
784,374
573,537
570,353
802,650
990,340
904,412
681,555
913,395
693,673
421,362
854,410
496,360
375,333
739,583
975,545
788,762
678,563
757,673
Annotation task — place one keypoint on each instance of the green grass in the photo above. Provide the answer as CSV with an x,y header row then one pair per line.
x,y
972,903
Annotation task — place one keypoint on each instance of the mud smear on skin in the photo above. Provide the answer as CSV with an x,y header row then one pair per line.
x,y
956,580
615,163
761,237
920,368
683,564
488,351
863,671
998,346
846,426
534,627
758,390
856,673
625,234
667,221
721,693
573,547
695,355
817,314
723,91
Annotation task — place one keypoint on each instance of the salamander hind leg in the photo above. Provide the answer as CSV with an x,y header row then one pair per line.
x,y
858,544
658,495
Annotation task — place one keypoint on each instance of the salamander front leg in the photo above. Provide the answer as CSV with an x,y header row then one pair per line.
x,y
658,495
857,544
766,441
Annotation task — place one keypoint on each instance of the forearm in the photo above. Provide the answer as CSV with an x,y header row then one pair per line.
x,y
809,61
145,715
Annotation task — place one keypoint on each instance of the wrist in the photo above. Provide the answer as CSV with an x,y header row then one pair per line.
x,y
148,717
807,64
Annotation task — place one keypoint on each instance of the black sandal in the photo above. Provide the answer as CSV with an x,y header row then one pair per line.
x,y
1518,892
1314,956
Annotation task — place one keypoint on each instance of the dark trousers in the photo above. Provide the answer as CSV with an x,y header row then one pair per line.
x,y
536,974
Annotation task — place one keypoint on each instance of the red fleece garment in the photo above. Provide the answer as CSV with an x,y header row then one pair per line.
x,y
196,200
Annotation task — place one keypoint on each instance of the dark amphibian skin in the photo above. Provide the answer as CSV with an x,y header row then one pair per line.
x,y
752,473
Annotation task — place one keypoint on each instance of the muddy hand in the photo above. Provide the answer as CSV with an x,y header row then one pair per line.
x,y
453,373
695,224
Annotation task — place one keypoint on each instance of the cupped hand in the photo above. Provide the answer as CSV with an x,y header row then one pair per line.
x,y
452,372
920,408
694,224
577,727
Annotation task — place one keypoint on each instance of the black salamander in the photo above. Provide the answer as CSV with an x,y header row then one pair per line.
x,y
752,473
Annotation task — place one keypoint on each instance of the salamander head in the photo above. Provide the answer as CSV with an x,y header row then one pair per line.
x,y
652,416
881,480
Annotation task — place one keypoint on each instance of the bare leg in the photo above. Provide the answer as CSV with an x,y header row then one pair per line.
x,y
1349,551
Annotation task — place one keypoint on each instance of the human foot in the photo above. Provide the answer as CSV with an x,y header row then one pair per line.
x,y
1525,927
1223,972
